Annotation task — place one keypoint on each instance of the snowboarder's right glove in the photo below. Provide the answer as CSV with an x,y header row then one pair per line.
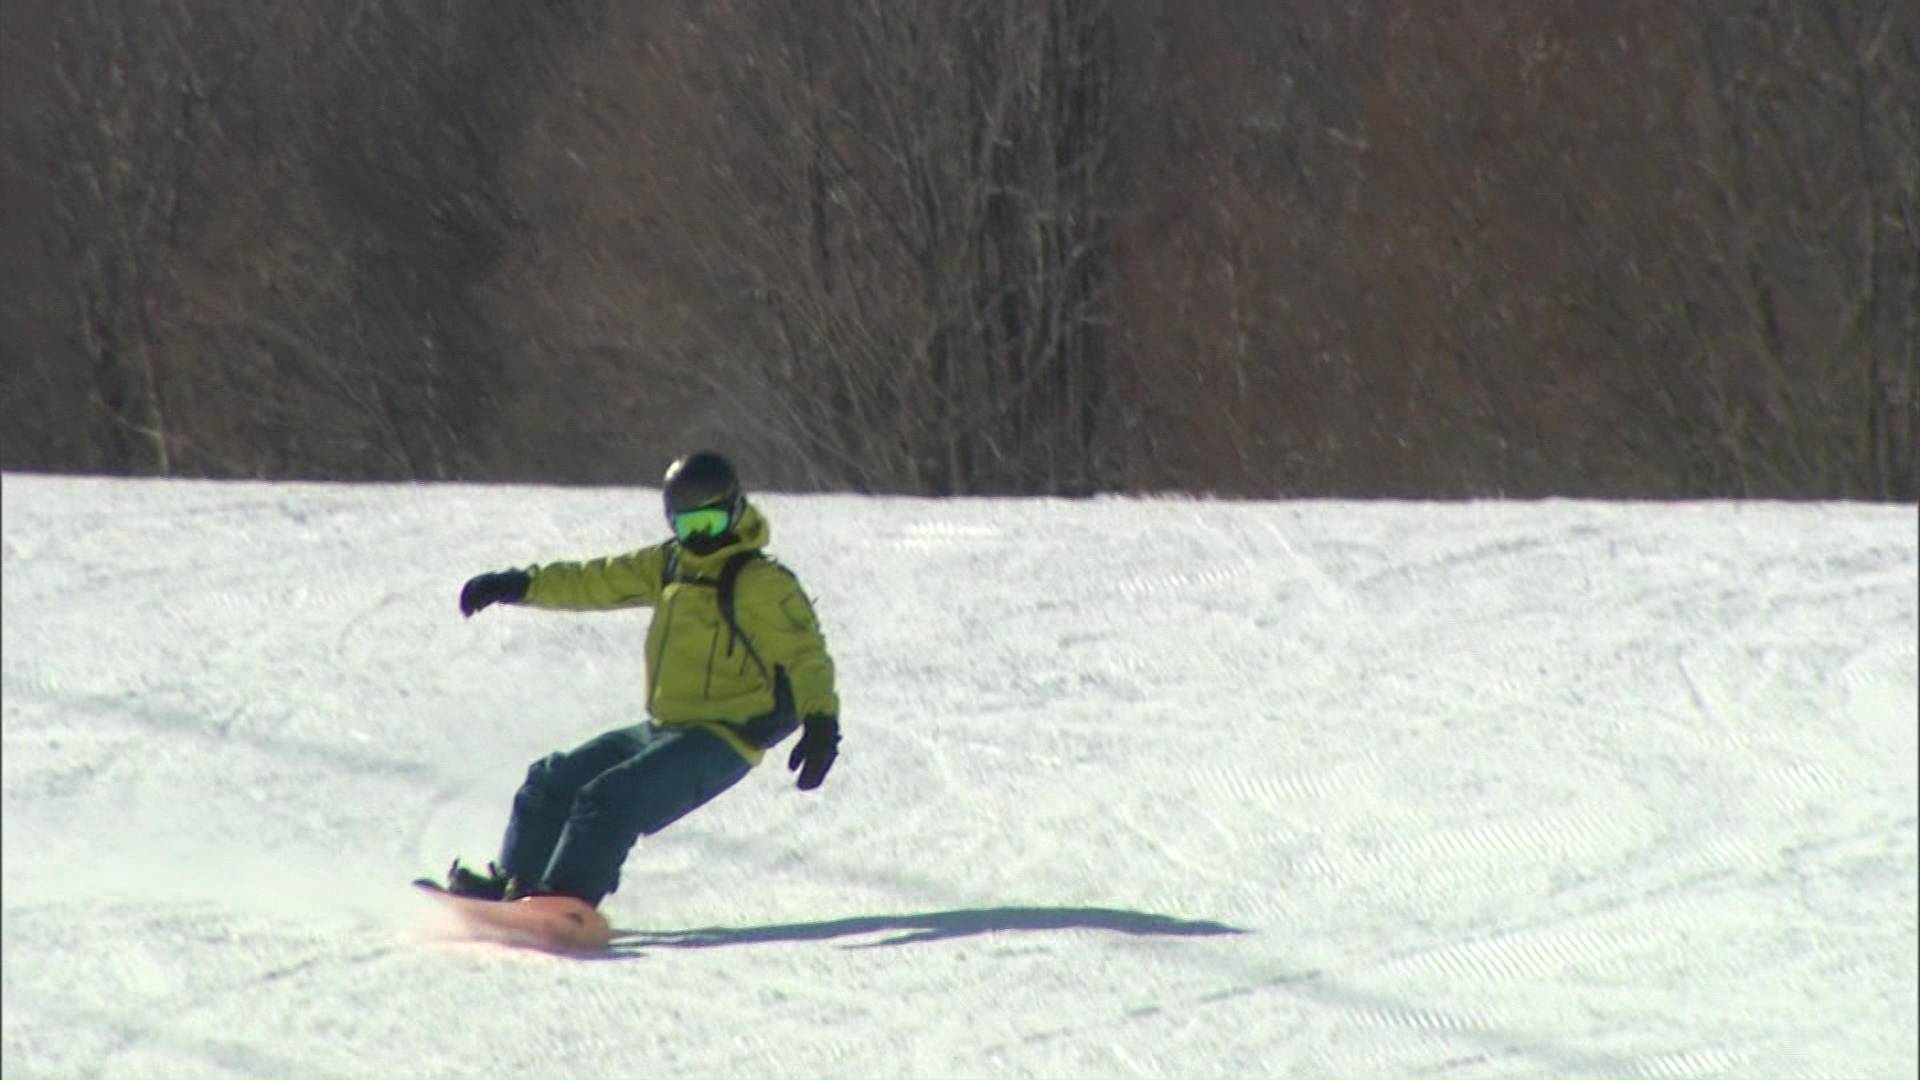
x,y
813,755
505,587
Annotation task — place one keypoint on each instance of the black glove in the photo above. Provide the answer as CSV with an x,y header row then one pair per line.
x,y
505,587
813,755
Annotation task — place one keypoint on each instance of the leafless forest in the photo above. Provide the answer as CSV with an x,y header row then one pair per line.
x,y
1436,248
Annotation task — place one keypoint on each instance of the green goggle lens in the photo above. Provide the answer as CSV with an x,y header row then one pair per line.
x,y
706,521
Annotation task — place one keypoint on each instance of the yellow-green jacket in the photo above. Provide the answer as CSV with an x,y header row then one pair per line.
x,y
697,672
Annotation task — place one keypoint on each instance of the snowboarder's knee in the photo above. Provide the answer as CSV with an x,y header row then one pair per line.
x,y
539,786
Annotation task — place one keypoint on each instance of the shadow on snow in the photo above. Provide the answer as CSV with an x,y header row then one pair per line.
x,y
931,926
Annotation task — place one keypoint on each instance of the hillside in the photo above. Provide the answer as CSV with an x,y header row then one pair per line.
x,y
1129,788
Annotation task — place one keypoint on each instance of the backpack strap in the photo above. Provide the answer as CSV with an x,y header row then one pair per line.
x,y
729,574
723,587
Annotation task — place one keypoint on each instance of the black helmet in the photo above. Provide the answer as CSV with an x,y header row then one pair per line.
x,y
703,481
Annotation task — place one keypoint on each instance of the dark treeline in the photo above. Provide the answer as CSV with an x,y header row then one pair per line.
x,y
1360,247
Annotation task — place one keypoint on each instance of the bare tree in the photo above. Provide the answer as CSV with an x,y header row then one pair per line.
x,y
1044,246
260,231
1807,127
900,240
1522,248
116,153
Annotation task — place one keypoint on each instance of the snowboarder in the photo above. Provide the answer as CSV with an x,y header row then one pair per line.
x,y
735,663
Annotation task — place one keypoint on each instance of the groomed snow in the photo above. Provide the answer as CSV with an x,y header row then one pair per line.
x,y
1129,788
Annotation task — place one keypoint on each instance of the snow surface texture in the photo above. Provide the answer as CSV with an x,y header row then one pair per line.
x,y
1129,788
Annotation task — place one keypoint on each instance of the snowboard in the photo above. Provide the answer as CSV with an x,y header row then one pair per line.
x,y
550,923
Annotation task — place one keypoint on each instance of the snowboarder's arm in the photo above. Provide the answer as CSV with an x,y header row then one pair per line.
x,y
605,584
778,618
790,635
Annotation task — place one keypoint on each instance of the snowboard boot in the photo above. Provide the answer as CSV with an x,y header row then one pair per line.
x,y
522,890
491,885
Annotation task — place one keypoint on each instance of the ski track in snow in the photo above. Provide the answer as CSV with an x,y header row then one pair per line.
x,y
1129,788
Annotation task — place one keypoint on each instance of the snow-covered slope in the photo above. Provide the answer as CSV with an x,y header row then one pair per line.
x,y
1129,788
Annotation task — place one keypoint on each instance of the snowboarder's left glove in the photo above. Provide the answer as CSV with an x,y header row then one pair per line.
x,y
813,755
507,586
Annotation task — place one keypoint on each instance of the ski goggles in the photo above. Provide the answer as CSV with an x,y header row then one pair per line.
x,y
704,522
